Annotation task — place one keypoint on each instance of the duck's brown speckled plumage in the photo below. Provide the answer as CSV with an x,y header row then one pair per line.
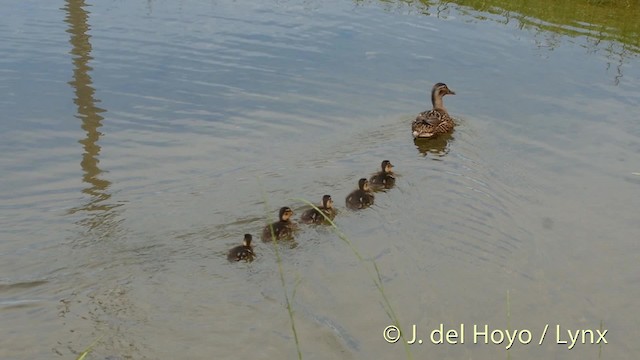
x,y
242,252
384,179
361,198
283,229
313,216
431,123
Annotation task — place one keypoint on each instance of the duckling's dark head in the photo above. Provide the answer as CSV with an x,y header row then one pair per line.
x,y
285,213
247,239
387,166
327,202
363,184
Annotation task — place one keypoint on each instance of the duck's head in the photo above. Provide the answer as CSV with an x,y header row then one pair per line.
x,y
363,184
387,167
327,202
247,240
285,213
439,90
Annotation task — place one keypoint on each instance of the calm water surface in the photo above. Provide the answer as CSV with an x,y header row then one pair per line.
x,y
140,140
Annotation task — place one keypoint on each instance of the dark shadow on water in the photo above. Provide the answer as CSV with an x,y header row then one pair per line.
x,y
438,147
100,214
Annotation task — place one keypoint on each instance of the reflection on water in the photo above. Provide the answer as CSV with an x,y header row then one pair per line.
x,y
98,209
206,97
610,27
438,146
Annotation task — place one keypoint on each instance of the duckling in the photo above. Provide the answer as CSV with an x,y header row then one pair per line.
x,y
313,216
361,198
384,179
242,252
431,123
282,229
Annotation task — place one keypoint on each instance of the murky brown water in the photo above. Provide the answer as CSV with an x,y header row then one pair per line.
x,y
141,139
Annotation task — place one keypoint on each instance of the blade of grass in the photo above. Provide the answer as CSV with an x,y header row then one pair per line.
x,y
508,320
375,278
88,349
601,329
281,272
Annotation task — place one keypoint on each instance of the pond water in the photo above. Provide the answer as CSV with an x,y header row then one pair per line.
x,y
142,139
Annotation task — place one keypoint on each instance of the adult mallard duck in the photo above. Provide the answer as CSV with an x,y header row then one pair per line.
x,y
313,216
242,252
384,179
361,198
282,229
436,121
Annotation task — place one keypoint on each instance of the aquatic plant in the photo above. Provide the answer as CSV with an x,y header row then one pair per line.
x,y
374,275
88,349
282,280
